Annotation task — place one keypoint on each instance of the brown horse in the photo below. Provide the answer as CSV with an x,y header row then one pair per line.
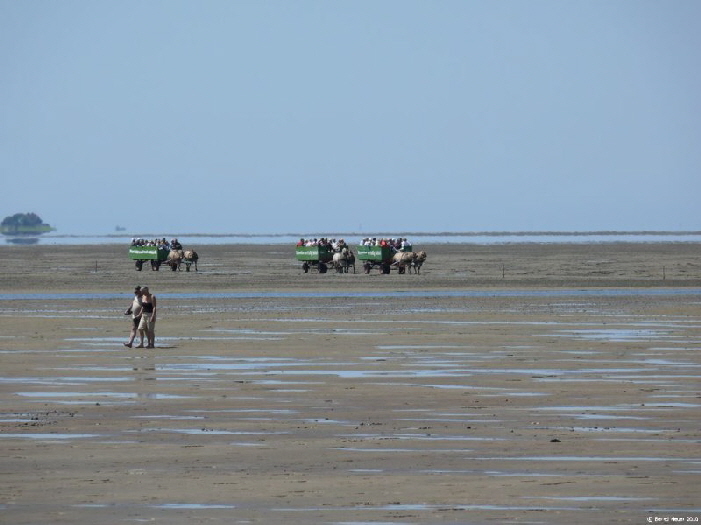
x,y
189,259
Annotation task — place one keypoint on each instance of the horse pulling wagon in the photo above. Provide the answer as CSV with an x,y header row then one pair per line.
x,y
190,258
320,257
387,257
157,255
381,256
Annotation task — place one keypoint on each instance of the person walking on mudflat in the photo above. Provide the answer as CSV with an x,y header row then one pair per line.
x,y
135,311
148,316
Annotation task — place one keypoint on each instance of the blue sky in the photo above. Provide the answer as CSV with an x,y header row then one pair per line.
x,y
378,116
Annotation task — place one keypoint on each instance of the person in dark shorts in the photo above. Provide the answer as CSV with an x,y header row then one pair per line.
x,y
148,316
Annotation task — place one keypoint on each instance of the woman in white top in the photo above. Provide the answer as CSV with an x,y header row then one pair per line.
x,y
135,311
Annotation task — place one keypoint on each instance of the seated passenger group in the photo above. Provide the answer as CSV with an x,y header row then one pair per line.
x,y
335,245
162,244
398,244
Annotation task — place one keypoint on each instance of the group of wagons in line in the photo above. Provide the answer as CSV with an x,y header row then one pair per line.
x,y
384,257
319,257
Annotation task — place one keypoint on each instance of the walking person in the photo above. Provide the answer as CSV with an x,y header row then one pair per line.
x,y
148,316
135,311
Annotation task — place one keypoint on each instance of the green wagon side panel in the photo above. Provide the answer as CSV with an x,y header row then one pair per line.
x,y
374,253
314,253
148,253
377,253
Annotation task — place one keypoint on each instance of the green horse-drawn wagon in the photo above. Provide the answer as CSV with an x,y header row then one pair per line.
x,y
315,256
381,256
153,254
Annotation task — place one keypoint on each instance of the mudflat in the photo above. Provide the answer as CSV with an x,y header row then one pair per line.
x,y
503,384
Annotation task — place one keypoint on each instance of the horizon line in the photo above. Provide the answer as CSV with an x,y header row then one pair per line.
x,y
492,233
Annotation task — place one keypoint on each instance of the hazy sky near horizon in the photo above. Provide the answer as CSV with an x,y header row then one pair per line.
x,y
379,116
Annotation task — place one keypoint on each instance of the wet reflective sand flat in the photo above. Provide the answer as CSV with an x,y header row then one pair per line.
x,y
556,395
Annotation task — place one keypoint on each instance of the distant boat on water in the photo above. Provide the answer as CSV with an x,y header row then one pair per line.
x,y
24,226
120,228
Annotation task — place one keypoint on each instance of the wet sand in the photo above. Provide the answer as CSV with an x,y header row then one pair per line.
x,y
504,384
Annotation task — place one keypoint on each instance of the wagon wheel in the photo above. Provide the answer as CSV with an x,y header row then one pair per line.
x,y
138,265
322,267
305,267
155,265
386,268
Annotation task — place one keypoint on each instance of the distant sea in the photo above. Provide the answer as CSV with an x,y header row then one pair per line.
x,y
481,238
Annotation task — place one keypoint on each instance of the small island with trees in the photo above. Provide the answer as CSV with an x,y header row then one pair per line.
x,y
24,225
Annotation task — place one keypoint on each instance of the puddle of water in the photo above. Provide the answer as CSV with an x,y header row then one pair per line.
x,y
499,473
467,419
604,417
330,421
412,450
246,365
658,440
642,380
426,507
616,429
363,374
165,416
328,331
50,436
596,459
589,408
675,396
673,405
516,394
591,498
190,506
60,350
618,335
117,395
419,437
368,523
420,347
203,432
667,362
72,381
275,411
